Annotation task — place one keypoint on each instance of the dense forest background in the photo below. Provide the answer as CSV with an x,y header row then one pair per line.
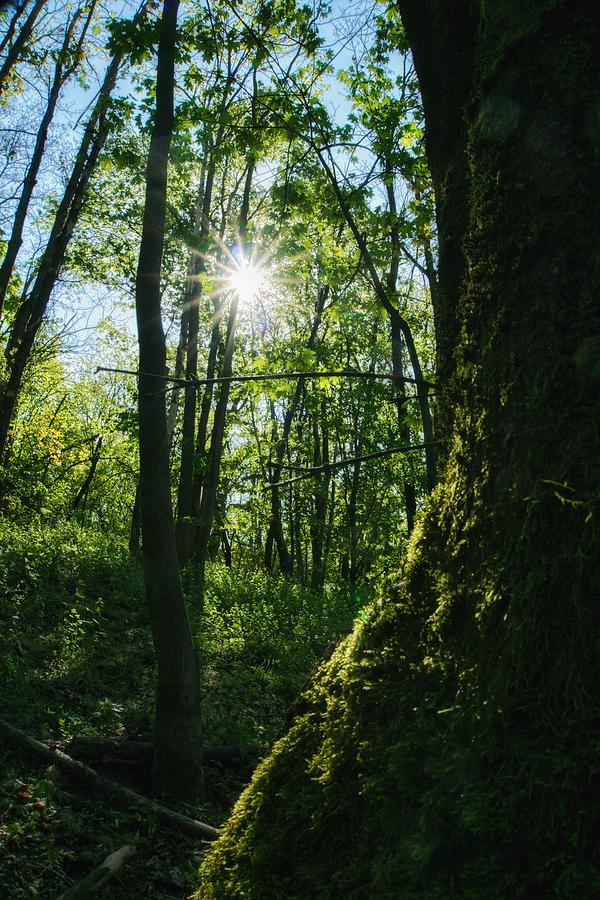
x,y
298,448
299,238
253,127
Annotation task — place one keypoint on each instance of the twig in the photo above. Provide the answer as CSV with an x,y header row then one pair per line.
x,y
329,467
102,785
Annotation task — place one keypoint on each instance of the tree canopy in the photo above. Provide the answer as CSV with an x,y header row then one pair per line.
x,y
299,333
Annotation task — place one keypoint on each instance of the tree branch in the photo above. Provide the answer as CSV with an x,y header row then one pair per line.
x,y
329,467
270,376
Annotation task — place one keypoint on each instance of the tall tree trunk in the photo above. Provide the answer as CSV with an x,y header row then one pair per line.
x,y
205,407
82,494
15,51
213,463
215,455
173,407
410,503
186,528
410,499
383,295
135,526
62,72
30,314
352,524
275,534
12,25
449,747
177,766
318,526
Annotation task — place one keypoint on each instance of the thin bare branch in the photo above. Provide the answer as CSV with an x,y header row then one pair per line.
x,y
330,467
269,376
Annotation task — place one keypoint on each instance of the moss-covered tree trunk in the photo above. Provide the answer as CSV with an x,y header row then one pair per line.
x,y
449,748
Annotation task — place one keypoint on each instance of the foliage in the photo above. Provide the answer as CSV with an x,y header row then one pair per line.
x,y
260,635
72,605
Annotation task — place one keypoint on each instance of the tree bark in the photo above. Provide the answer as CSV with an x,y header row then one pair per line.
x,y
177,730
460,714
275,534
186,528
318,525
410,502
443,40
12,25
82,494
213,464
30,314
15,50
62,72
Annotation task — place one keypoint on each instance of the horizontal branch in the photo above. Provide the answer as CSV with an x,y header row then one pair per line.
x,y
269,376
329,467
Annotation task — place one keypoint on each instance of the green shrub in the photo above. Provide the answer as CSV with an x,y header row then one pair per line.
x,y
46,572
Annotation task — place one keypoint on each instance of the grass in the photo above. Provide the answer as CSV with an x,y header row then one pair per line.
x,y
76,658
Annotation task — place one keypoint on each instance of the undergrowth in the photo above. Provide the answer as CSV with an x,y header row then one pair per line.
x,y
76,658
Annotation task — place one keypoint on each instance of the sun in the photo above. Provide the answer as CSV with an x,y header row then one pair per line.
x,y
247,280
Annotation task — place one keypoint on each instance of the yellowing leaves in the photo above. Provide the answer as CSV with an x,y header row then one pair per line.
x,y
410,134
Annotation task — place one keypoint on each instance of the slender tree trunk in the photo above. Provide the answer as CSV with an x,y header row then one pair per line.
x,y
321,493
62,72
32,311
15,51
298,559
82,494
205,407
275,533
213,467
215,455
177,373
10,31
198,469
186,528
330,522
410,501
193,439
226,543
383,295
353,525
135,527
178,730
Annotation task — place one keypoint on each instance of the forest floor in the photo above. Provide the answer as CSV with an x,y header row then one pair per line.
x,y
76,659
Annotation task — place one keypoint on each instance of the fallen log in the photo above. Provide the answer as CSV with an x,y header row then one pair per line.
x,y
103,786
98,748
90,884
119,751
